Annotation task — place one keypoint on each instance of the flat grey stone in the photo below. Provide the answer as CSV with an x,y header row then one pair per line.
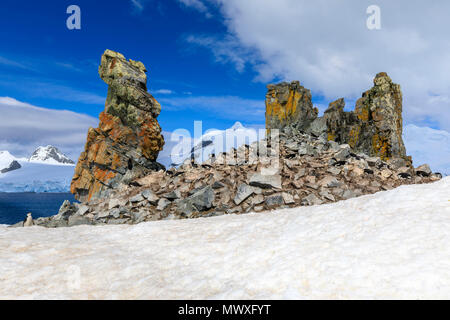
x,y
325,194
266,181
150,196
258,199
343,153
201,200
311,200
82,209
288,198
163,204
218,185
275,200
78,220
348,194
243,192
113,203
102,214
137,198
115,213
173,195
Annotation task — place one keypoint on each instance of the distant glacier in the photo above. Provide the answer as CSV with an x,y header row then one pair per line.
x,y
47,170
37,177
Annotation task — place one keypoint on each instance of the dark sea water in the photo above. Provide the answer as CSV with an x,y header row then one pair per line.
x,y
15,206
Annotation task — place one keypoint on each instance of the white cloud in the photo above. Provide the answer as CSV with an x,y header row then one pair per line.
x,y
25,127
227,50
163,91
54,91
68,66
11,63
327,46
60,92
197,5
427,145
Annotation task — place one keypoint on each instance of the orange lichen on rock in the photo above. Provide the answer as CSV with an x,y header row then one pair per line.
x,y
128,139
288,103
374,127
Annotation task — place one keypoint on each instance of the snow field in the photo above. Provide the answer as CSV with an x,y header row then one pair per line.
x,y
391,245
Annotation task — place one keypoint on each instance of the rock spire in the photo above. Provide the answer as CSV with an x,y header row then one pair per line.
x,y
128,139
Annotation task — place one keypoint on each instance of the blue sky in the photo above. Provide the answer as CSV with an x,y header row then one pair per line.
x,y
211,60
47,65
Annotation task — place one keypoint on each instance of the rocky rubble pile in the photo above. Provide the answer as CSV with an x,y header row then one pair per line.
x,y
300,170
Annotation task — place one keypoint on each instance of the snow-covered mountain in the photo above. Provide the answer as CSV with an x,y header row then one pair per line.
x,y
8,162
50,155
5,159
212,142
47,170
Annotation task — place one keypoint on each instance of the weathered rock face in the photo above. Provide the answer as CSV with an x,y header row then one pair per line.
x,y
288,103
128,139
374,127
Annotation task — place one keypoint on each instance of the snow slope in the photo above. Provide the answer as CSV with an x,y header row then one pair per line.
x,y
389,245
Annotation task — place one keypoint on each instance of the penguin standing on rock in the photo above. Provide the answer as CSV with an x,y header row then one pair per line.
x,y
28,222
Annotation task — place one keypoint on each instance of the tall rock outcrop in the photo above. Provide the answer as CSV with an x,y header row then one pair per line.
x,y
374,127
128,139
287,104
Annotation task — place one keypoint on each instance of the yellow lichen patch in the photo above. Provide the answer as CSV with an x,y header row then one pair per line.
x,y
354,136
275,109
380,147
291,105
282,112
331,136
362,113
